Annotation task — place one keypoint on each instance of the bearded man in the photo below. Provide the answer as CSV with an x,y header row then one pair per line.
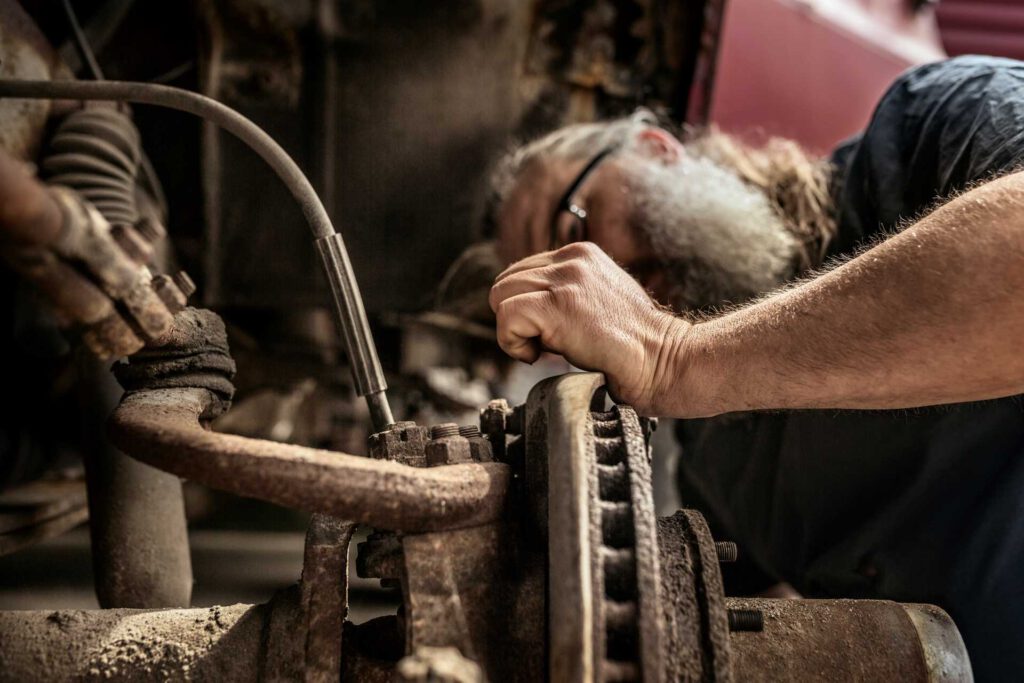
x,y
897,468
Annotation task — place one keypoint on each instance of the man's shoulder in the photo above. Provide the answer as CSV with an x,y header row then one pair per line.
x,y
939,129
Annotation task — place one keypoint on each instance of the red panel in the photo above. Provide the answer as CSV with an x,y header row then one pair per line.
x,y
812,70
989,27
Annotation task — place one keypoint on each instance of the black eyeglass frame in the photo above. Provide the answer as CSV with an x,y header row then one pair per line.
x,y
566,203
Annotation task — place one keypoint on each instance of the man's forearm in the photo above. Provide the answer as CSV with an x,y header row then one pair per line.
x,y
932,315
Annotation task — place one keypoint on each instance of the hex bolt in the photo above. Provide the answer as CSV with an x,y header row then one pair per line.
x,y
746,620
727,551
469,431
185,283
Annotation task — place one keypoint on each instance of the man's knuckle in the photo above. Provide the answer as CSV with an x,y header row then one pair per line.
x,y
573,270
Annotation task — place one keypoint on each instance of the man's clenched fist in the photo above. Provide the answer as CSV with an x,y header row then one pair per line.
x,y
579,303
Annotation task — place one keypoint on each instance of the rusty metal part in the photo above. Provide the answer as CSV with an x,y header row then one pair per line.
x,y
380,556
86,239
467,589
604,586
512,589
479,447
559,449
39,510
696,618
67,249
745,620
28,214
193,353
324,596
880,641
403,442
629,547
137,526
362,353
727,551
163,428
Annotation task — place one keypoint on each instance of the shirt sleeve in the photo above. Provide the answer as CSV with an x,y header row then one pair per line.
x,y
939,129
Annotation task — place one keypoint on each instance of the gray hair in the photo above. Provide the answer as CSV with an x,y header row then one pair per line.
x,y
795,182
573,142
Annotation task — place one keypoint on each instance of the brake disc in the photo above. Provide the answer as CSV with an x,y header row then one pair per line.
x,y
614,612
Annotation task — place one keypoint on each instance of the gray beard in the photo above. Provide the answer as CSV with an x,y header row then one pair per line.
x,y
718,240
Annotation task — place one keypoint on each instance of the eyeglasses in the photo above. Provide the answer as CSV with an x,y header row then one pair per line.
x,y
579,231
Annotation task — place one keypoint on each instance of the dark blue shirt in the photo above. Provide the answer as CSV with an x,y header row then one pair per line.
x,y
913,505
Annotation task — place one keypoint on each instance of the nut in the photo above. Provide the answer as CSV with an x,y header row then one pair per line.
x,y
403,442
447,447
479,446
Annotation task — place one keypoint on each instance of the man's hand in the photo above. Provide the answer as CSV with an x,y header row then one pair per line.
x,y
579,303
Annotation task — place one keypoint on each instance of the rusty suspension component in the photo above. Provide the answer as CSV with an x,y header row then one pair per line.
x,y
362,353
164,428
71,253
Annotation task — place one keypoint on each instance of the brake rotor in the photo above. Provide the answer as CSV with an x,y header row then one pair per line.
x,y
608,616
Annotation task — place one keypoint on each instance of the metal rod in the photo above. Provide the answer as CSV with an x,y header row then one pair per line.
x,y
362,352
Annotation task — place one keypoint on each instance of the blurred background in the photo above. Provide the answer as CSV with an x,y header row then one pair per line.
x,y
396,110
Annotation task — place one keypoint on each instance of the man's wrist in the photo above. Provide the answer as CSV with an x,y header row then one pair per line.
x,y
691,383
668,348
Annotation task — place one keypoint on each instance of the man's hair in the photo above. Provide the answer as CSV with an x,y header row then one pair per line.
x,y
796,183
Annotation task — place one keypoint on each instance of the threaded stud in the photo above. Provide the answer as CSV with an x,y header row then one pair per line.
x,y
727,551
445,430
746,620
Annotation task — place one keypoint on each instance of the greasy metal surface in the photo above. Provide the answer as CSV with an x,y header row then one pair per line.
x,y
163,428
829,640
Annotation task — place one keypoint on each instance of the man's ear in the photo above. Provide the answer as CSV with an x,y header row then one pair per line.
x,y
661,145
